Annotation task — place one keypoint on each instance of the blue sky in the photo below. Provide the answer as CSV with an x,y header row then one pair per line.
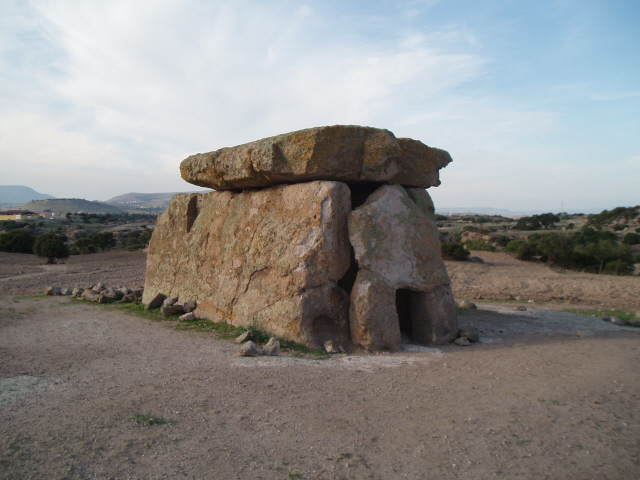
x,y
537,102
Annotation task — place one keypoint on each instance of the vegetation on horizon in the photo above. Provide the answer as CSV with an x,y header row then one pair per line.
x,y
603,243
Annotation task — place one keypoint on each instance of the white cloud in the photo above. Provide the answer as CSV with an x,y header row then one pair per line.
x,y
633,162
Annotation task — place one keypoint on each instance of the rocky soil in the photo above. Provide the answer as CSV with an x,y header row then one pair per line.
x,y
544,395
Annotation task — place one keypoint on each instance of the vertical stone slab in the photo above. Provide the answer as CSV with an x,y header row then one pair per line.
x,y
263,257
372,314
394,238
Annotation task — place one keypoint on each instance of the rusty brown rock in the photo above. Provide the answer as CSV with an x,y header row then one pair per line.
x,y
347,153
269,258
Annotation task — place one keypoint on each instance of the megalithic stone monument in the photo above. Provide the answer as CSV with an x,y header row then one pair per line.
x,y
322,234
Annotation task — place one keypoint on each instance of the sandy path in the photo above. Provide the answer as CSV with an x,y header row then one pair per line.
x,y
543,396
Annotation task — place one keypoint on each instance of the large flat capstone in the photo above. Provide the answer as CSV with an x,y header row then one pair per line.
x,y
346,153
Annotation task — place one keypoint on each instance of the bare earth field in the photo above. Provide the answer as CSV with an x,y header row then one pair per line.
x,y
544,395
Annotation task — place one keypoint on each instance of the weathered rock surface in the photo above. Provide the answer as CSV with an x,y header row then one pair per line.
x,y
154,301
345,153
187,317
168,310
189,306
373,315
471,333
402,284
272,348
270,257
249,349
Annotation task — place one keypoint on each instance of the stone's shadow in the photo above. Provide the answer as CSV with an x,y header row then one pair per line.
x,y
500,327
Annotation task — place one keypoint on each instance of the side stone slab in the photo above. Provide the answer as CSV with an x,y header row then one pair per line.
x,y
346,153
396,244
269,258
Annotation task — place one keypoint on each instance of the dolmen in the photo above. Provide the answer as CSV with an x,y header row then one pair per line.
x,y
321,235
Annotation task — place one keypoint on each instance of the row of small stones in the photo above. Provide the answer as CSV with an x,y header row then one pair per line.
x,y
170,306
100,293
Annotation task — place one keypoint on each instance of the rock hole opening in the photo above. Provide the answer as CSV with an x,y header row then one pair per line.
x,y
349,279
360,192
192,212
323,328
404,299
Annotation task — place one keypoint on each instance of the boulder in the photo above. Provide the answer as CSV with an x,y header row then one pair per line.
x,y
332,347
168,310
187,317
272,348
249,349
189,306
346,153
462,342
244,337
129,298
169,301
268,257
53,291
76,292
154,301
402,284
111,293
471,333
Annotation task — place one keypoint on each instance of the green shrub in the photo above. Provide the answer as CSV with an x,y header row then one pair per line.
x,y
51,247
12,225
480,245
502,240
631,239
17,241
556,249
523,250
454,251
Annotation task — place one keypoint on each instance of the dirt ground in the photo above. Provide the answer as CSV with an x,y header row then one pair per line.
x,y
544,395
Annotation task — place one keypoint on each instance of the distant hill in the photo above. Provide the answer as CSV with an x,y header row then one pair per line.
x,y
143,200
72,205
505,212
19,194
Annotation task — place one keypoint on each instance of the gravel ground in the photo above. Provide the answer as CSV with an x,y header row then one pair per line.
x,y
544,395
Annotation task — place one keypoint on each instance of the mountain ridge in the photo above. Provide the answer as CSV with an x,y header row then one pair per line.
x,y
19,194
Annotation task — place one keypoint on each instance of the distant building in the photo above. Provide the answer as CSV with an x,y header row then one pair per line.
x,y
51,215
18,215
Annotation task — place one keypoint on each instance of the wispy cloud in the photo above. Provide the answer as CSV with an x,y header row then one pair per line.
x,y
615,96
633,162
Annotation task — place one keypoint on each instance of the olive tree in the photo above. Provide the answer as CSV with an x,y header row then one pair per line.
x,y
51,247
